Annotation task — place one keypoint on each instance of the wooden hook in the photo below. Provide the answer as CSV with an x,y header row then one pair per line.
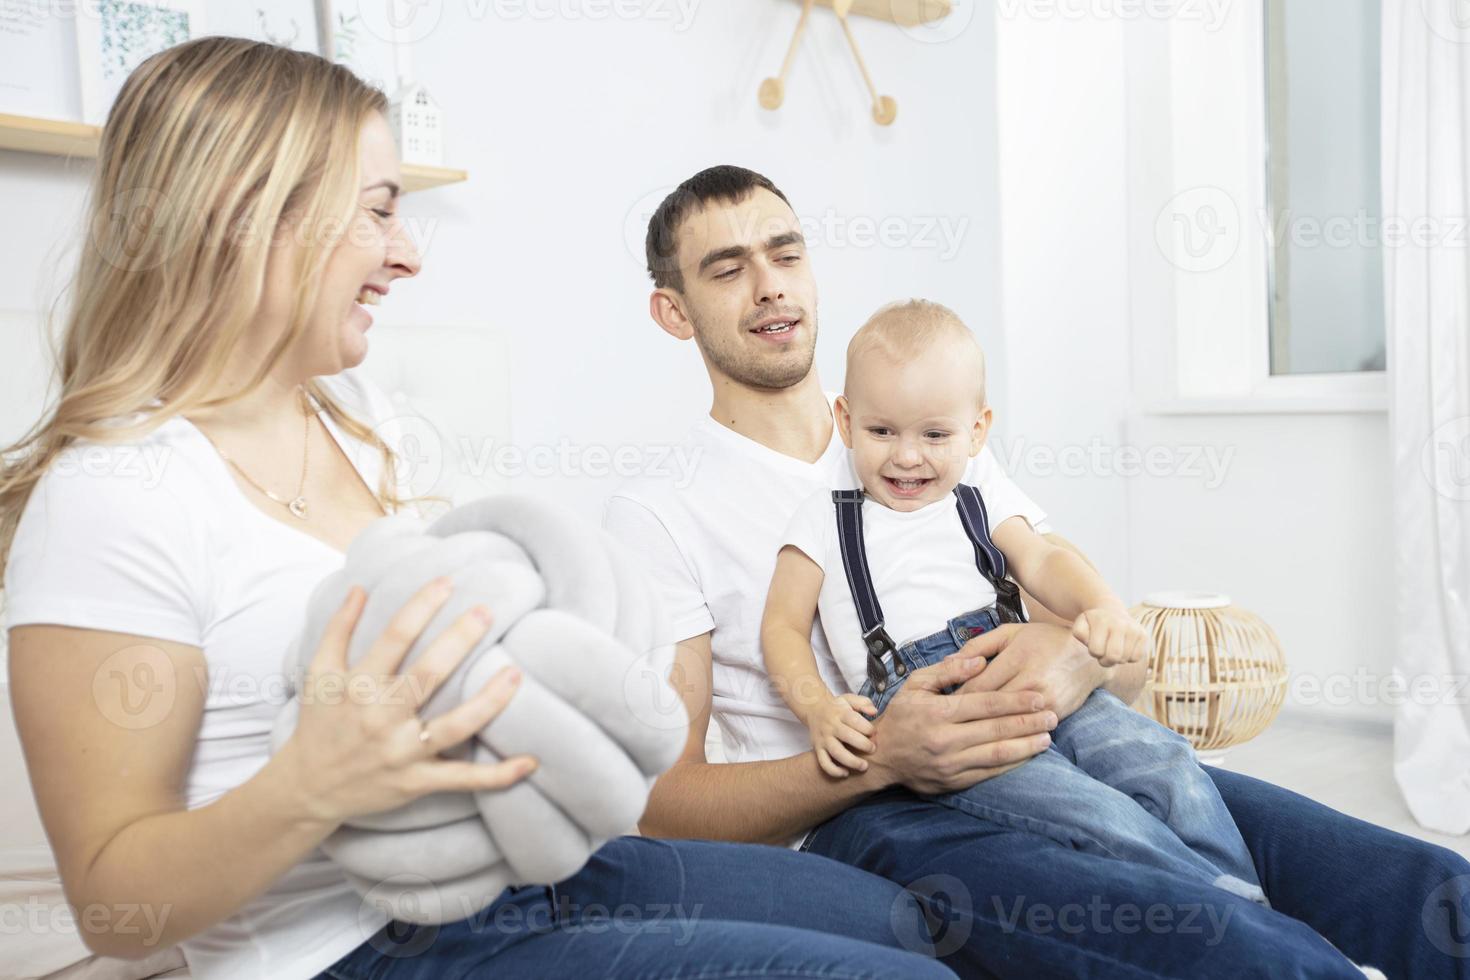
x,y
885,110
773,90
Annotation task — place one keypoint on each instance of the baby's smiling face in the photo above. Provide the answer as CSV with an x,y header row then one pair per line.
x,y
914,423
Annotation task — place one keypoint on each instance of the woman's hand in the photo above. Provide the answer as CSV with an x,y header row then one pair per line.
x,y
358,747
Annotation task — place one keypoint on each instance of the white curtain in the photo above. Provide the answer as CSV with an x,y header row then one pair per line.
x,y
1426,179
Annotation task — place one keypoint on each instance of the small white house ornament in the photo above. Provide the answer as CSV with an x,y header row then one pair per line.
x,y
418,126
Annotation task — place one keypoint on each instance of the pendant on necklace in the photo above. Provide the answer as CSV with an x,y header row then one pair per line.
x,y
297,508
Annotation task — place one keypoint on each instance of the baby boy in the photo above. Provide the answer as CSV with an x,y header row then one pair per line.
x,y
904,571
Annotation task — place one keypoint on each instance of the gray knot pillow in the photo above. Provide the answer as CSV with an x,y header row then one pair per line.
x,y
581,622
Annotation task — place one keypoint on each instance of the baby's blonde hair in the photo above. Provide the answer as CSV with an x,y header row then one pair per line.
x,y
902,331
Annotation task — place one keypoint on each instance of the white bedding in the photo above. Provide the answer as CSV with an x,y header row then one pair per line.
x,y
40,935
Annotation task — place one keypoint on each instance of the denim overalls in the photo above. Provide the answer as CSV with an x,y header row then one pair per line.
x,y
1113,782
888,665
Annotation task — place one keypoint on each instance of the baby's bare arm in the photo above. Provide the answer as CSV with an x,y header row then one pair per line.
x,y
1071,587
1061,578
786,630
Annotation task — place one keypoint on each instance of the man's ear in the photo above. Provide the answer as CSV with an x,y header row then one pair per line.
x,y
981,431
844,420
667,309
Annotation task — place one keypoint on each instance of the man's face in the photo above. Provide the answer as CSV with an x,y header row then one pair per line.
x,y
748,290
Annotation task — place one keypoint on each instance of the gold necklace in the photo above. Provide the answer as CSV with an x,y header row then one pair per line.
x,y
297,505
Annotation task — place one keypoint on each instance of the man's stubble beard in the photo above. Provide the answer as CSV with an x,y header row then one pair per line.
x,y
775,372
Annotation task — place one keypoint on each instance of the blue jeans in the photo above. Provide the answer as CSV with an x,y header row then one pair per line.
x,y
1006,902
648,909
1113,783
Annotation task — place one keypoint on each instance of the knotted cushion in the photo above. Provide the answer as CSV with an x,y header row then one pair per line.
x,y
581,622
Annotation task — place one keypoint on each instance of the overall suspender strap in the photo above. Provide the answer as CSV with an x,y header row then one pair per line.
x,y
849,506
977,525
989,559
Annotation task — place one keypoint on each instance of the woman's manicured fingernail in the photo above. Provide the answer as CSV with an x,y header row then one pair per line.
x,y
483,615
442,585
512,675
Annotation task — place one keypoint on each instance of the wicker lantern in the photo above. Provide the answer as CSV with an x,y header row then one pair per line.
x,y
1217,675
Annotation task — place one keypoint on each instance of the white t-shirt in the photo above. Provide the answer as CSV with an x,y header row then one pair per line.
x,y
922,565
156,539
710,541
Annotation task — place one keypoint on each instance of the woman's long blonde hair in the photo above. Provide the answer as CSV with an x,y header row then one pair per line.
x,y
212,150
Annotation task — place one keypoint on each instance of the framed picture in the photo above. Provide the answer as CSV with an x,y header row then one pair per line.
x,y
359,36
115,36
38,61
289,23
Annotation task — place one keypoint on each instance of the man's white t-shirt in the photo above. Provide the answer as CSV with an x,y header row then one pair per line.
x,y
921,562
154,538
709,541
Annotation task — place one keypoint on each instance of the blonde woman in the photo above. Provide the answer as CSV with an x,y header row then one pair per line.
x,y
243,221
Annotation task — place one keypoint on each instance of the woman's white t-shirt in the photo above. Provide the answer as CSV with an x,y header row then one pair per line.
x,y
155,538
921,562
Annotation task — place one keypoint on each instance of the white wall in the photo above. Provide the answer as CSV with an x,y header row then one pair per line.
x,y
1291,519
574,130
1064,271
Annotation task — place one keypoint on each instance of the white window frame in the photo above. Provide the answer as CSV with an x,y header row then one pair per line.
x,y
1210,128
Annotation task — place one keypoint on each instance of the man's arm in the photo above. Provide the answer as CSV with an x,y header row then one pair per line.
x,y
758,802
925,740
1047,659
1125,681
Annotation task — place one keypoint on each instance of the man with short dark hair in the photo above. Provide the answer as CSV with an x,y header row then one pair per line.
x,y
732,273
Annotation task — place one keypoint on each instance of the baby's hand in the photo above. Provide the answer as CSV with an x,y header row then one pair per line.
x,y
839,732
1112,636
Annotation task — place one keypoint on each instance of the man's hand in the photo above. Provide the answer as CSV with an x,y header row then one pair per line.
x,y
1113,636
840,733
1035,657
933,742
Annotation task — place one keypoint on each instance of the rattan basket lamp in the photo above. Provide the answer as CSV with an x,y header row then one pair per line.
x,y
1217,675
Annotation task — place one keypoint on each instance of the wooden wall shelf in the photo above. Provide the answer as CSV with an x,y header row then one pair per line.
x,y
905,13
56,137
417,177
52,136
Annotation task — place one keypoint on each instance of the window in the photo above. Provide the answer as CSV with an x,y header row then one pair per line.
x,y
1254,169
1324,221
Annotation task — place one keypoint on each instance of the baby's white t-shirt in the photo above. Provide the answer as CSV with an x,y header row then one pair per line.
x,y
154,538
707,523
921,562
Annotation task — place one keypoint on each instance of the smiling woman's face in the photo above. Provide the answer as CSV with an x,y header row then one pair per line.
x,y
374,250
